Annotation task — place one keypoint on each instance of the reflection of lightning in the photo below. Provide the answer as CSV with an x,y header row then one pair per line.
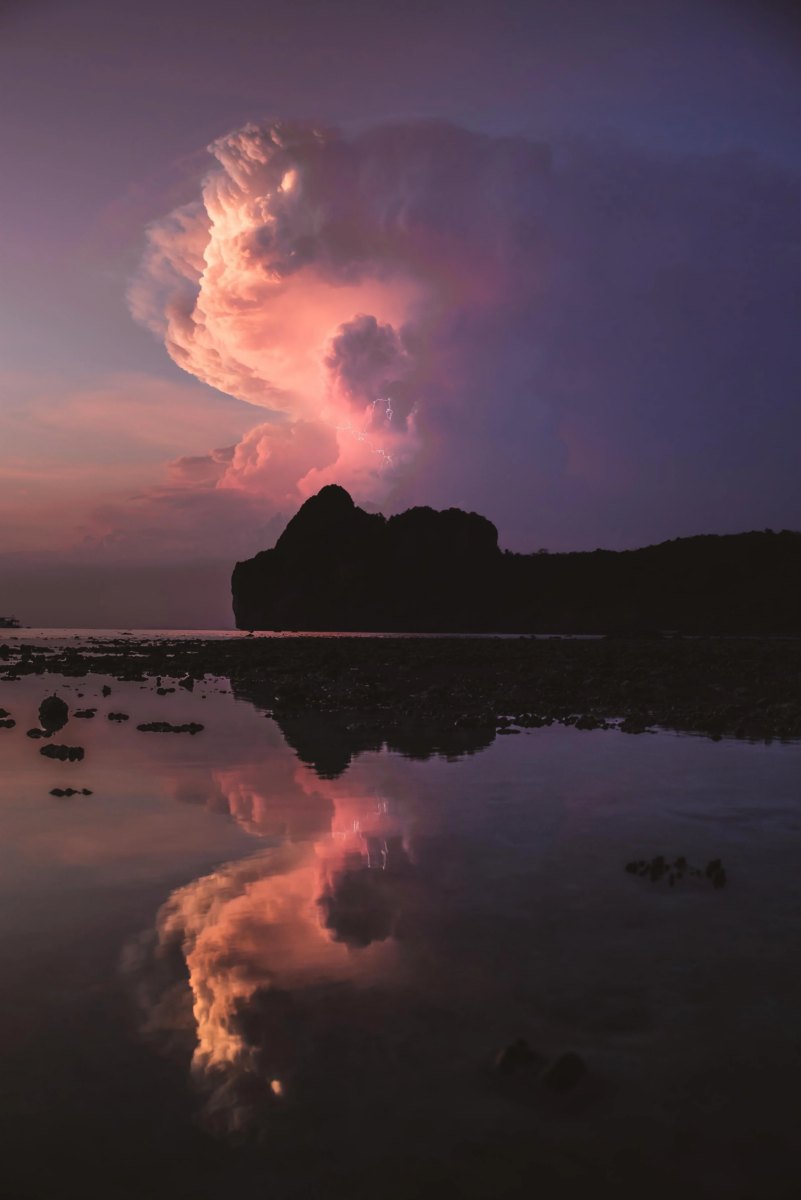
x,y
361,434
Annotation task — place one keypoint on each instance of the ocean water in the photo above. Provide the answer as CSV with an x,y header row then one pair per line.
x,y
223,974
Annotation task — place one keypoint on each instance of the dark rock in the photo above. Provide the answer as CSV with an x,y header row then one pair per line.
x,y
566,1073
63,753
118,717
106,690
70,792
517,1054
53,713
187,683
162,691
7,723
4,713
38,733
88,713
165,727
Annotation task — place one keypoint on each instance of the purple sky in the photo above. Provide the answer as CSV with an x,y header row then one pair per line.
x,y
563,238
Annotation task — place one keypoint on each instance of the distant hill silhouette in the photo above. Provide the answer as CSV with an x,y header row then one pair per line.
x,y
338,568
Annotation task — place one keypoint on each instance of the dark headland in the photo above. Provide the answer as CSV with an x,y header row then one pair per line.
x,y
336,568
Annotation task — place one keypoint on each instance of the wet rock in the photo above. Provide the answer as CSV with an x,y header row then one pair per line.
x,y
106,690
118,717
70,792
4,713
88,713
166,727
187,683
516,1054
53,713
162,691
63,753
7,723
39,733
566,1073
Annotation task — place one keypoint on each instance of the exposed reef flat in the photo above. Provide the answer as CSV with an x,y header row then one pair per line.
x,y
739,687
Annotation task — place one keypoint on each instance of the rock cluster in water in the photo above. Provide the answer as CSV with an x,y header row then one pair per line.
x,y
659,868
166,727
338,568
63,753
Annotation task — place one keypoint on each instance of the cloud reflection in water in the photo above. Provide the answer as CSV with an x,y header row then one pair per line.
x,y
243,962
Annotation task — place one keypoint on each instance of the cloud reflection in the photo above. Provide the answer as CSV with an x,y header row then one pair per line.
x,y
240,959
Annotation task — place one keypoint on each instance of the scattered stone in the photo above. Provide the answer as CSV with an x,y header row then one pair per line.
x,y
7,723
39,733
566,1073
70,792
162,691
88,713
63,753
166,727
516,1054
118,717
106,690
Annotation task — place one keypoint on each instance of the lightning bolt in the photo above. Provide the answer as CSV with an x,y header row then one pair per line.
x,y
361,434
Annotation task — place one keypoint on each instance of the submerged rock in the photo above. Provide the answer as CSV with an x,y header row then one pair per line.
x,y
566,1073
85,712
166,727
658,868
7,723
516,1054
70,792
63,753
118,717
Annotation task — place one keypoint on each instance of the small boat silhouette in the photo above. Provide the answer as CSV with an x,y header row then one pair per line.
x,y
9,623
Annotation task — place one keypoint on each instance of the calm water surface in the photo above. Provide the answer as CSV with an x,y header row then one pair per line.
x,y
224,974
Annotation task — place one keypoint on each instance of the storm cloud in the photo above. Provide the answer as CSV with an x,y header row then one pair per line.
x,y
582,337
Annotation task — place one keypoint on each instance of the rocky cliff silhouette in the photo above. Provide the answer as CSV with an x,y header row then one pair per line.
x,y
336,568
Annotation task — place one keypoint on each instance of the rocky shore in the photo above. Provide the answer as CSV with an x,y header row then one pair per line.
x,y
719,687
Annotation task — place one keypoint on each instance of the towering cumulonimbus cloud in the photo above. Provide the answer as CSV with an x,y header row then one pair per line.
x,y
596,345
317,277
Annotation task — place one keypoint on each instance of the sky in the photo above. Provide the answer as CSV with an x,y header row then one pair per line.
x,y
538,260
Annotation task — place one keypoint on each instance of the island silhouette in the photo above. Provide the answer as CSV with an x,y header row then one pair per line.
x,y
337,568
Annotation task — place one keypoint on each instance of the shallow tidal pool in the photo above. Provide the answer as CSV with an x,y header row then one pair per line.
x,y
223,973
